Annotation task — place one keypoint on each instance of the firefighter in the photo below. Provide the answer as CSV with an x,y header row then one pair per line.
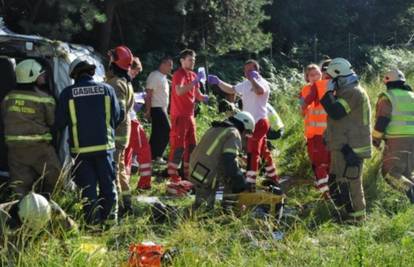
x,y
214,160
121,59
91,111
28,116
138,142
315,119
395,125
348,137
255,92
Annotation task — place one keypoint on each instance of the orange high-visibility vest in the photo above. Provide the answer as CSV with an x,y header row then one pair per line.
x,y
315,115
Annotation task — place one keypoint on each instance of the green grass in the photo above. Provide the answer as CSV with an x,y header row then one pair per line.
x,y
215,239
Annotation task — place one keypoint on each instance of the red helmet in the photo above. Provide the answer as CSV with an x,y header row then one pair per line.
x,y
121,56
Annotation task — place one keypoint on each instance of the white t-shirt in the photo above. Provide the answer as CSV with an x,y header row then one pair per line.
x,y
158,83
253,103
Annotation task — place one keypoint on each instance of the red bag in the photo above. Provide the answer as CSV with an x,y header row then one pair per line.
x,y
145,254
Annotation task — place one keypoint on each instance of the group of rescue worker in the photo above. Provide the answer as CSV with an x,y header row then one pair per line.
x,y
105,134
339,135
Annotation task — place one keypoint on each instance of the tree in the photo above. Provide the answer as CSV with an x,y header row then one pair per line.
x,y
51,18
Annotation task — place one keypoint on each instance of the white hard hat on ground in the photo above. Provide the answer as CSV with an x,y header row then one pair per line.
x,y
34,211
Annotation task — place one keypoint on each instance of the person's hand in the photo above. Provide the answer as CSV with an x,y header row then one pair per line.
x,y
331,86
147,115
254,75
201,75
376,142
213,80
205,99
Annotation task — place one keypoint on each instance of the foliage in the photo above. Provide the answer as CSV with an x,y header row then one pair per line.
x,y
214,239
384,59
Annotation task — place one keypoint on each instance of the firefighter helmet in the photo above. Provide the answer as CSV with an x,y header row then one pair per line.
x,y
394,76
28,70
34,211
121,56
80,64
246,118
339,67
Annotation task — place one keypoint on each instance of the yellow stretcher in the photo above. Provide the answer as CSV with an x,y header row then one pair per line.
x,y
248,201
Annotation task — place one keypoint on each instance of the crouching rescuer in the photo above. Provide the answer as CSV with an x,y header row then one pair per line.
x,y
214,160
348,137
395,125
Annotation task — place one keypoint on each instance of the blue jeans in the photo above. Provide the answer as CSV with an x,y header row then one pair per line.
x,y
92,172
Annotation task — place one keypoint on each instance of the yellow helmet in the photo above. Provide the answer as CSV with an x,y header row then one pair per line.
x,y
394,76
28,70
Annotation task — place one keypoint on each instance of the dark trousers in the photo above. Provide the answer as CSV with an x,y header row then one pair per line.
x,y
93,171
160,132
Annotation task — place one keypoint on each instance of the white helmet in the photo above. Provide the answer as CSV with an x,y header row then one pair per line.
x,y
394,76
339,67
80,63
34,211
246,118
28,70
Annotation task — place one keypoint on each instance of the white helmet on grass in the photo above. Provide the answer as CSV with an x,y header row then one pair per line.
x,y
34,211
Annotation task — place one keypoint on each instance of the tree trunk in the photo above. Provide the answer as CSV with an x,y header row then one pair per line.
x,y
106,28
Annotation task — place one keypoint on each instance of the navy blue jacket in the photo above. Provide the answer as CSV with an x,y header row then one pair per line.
x,y
92,112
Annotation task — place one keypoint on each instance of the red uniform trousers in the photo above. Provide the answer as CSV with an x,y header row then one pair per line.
x,y
139,145
256,149
182,143
320,159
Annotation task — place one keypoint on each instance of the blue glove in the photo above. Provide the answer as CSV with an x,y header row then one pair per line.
x,y
213,80
331,86
205,100
201,75
254,75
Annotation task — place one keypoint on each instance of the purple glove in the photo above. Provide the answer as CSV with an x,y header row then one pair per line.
x,y
200,76
213,80
205,100
254,75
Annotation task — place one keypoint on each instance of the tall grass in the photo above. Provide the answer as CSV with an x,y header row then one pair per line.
x,y
214,239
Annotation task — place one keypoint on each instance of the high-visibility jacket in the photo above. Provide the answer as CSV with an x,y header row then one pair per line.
x,y
28,117
402,116
354,128
125,94
275,121
92,112
206,161
315,115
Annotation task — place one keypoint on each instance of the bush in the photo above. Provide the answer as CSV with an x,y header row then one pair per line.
x,y
381,59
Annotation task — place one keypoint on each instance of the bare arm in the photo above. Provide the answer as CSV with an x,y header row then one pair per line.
x,y
182,89
148,101
200,97
227,88
257,88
